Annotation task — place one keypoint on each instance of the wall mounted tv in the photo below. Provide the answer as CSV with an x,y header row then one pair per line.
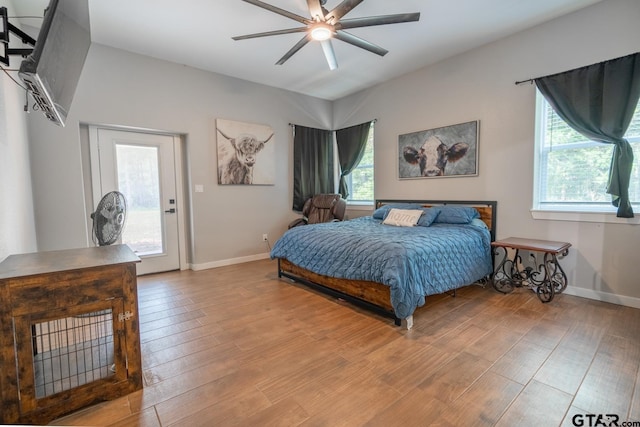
x,y
53,69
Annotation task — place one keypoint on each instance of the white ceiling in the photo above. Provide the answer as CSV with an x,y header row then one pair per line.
x,y
198,33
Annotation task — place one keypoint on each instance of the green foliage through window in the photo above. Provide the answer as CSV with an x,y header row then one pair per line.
x,y
573,172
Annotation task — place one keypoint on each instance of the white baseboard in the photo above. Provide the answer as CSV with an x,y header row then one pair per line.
x,y
603,296
225,262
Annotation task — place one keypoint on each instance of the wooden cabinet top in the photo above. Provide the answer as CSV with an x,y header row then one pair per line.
x,y
22,265
532,245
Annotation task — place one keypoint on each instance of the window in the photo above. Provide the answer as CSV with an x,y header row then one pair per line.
x,y
571,172
360,180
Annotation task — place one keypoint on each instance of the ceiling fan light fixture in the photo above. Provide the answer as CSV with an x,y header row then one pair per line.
x,y
325,25
321,32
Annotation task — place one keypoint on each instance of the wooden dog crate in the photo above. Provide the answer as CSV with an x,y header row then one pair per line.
x,y
69,333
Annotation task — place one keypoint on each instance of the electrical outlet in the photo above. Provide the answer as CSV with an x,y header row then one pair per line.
x,y
265,237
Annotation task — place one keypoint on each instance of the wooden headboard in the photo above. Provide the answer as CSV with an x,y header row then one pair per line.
x,y
488,209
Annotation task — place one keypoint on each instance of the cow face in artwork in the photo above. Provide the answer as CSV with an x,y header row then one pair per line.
x,y
239,167
433,155
247,147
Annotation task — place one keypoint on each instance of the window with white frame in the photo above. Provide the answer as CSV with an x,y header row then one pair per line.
x,y
360,180
571,172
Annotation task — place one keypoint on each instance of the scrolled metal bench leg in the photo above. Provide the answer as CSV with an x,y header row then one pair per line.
x,y
501,279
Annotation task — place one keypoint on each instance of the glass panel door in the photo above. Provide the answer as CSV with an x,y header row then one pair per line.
x,y
139,179
142,167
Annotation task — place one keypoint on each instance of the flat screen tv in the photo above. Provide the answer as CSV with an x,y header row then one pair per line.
x,y
53,69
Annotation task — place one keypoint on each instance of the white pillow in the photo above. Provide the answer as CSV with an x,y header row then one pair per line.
x,y
403,217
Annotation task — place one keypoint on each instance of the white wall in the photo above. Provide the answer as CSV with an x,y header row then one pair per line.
x,y
479,85
125,89
17,227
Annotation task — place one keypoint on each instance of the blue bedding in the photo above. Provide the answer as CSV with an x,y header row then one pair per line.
x,y
413,261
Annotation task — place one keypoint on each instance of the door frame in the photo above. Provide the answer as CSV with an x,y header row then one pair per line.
x,y
181,205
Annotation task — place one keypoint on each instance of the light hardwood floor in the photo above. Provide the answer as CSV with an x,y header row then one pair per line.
x,y
238,346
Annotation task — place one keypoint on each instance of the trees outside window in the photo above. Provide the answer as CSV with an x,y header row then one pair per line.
x,y
572,172
360,180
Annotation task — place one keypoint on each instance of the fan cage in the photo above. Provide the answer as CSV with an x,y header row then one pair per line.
x,y
109,218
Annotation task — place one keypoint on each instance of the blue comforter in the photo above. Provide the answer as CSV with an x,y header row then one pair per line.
x,y
413,261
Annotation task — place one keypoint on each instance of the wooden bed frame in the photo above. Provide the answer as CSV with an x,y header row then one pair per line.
x,y
372,295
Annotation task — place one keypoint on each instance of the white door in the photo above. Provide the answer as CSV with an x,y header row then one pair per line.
x,y
142,167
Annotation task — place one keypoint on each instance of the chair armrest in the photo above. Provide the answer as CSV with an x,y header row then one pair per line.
x,y
297,222
339,209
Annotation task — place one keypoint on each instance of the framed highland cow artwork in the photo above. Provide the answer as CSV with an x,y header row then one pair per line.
x,y
246,153
449,151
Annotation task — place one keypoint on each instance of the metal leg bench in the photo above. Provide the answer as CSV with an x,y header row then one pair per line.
x,y
546,279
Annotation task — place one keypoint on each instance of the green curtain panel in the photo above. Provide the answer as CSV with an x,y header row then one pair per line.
x,y
599,101
312,164
351,142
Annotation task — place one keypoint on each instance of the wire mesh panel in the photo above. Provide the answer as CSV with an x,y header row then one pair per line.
x,y
72,351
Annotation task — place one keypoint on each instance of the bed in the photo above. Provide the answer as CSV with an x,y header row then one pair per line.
x,y
392,269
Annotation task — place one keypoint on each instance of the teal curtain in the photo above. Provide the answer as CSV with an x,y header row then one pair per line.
x,y
312,164
351,142
599,101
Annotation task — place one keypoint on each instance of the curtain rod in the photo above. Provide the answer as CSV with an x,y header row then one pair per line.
x,y
374,121
532,80
586,66
525,81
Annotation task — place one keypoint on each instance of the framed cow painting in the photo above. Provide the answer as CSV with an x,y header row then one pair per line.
x,y
246,153
449,151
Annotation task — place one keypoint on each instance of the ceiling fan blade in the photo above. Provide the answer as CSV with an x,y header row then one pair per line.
x,y
341,10
279,11
270,33
315,10
327,48
377,20
357,41
294,49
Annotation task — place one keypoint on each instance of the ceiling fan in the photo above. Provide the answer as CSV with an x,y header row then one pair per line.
x,y
325,25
